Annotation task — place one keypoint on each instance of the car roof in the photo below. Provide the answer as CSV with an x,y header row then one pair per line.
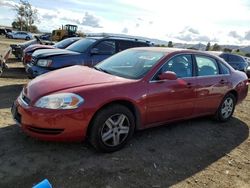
x,y
167,50
120,38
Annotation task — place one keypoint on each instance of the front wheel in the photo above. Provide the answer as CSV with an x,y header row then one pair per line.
x,y
226,108
112,128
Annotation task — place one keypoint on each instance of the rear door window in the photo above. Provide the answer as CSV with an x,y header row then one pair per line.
x,y
106,47
206,66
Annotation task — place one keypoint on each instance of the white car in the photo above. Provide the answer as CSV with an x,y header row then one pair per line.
x,y
19,35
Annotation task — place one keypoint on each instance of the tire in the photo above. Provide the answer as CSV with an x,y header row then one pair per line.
x,y
27,38
111,128
226,108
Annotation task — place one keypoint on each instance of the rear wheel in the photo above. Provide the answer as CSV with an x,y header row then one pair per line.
x,y
112,128
226,108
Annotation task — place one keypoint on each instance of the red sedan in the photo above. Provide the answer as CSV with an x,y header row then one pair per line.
x,y
135,89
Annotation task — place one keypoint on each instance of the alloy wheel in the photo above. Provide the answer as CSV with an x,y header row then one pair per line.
x,y
115,130
227,108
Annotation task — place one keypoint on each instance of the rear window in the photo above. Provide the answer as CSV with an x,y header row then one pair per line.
x,y
235,58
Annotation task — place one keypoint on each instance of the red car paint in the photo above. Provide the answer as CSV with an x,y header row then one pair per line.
x,y
154,103
28,56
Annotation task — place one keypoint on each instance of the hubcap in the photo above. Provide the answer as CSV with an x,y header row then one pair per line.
x,y
115,130
227,108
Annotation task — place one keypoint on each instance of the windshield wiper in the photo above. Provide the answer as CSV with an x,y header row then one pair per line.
x,y
102,70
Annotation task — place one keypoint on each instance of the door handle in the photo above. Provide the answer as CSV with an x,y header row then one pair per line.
x,y
222,81
189,85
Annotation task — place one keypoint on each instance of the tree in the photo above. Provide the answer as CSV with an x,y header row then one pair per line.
x,y
208,46
216,47
170,44
247,54
227,50
26,16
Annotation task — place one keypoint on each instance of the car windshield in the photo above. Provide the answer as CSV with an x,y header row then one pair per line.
x,y
66,42
81,45
132,63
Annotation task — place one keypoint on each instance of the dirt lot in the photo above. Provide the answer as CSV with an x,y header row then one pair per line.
x,y
195,153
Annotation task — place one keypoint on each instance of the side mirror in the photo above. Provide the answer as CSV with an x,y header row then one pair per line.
x,y
169,75
94,51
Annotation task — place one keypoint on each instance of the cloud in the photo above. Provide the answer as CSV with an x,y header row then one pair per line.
x,y
9,4
49,16
189,34
90,20
234,34
192,30
125,30
247,35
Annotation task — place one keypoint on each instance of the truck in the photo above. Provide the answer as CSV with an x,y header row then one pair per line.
x,y
65,32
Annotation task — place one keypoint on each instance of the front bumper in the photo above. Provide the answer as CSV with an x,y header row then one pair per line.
x,y
51,125
34,71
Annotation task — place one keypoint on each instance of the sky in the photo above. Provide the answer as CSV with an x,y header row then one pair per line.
x,y
192,21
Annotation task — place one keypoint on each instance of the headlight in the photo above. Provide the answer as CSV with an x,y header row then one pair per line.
x,y
44,62
60,101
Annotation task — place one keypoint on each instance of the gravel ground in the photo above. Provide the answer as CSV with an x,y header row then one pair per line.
x,y
194,153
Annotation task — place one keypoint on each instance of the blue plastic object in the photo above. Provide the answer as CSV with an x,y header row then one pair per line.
x,y
43,184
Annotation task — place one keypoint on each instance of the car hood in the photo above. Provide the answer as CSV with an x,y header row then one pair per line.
x,y
37,46
66,78
24,44
52,52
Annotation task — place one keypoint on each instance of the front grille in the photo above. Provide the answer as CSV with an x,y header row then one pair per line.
x,y
51,131
33,61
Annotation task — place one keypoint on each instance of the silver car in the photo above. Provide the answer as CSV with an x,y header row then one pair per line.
x,y
19,35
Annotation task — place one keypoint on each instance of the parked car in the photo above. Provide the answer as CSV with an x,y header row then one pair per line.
x,y
19,35
236,61
132,90
17,49
88,52
4,31
248,70
27,53
45,36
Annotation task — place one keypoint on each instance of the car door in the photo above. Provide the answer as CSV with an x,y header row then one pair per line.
x,y
16,35
212,85
102,50
172,99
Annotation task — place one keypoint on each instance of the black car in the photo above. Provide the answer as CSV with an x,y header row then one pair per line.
x,y
4,31
17,49
88,51
236,61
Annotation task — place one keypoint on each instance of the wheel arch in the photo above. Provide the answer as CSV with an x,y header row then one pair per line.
x,y
132,107
235,93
